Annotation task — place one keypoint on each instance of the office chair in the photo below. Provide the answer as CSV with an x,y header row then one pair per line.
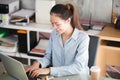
x,y
93,47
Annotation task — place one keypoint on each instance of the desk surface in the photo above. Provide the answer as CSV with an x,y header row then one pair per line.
x,y
110,33
74,77
108,51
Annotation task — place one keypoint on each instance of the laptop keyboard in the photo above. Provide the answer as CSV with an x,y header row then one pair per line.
x,y
41,77
29,77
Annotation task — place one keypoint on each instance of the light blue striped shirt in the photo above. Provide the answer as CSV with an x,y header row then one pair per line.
x,y
70,58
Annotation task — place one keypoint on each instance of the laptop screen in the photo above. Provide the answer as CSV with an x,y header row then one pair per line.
x,y
13,67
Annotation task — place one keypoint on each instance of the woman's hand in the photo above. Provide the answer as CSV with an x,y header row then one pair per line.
x,y
40,71
33,67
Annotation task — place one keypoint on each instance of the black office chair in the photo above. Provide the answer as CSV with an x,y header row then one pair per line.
x,y
93,47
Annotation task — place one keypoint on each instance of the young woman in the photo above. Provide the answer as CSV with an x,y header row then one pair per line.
x,y
67,51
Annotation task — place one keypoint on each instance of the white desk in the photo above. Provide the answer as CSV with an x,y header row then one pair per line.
x,y
81,77
73,77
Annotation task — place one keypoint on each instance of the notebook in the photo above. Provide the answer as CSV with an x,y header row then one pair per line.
x,y
14,68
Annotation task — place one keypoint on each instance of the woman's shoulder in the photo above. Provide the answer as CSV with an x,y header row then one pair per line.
x,y
82,34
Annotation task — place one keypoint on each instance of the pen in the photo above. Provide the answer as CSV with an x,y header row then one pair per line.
x,y
46,77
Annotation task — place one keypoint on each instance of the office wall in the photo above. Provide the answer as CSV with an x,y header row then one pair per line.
x,y
27,4
116,7
101,10
30,4
96,10
83,7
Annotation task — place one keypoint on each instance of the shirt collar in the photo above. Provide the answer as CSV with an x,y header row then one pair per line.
x,y
75,34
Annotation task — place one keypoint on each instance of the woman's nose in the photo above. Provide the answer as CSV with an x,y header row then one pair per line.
x,y
54,26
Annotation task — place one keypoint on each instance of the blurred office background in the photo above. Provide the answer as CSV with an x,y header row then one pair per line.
x,y
94,10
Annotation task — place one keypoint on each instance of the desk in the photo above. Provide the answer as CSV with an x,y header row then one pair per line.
x,y
108,53
81,77
74,77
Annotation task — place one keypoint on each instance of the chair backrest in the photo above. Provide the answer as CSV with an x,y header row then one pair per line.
x,y
93,47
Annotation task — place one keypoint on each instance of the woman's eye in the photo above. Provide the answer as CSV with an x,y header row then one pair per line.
x,y
58,25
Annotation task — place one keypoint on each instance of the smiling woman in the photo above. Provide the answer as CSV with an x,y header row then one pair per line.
x,y
67,49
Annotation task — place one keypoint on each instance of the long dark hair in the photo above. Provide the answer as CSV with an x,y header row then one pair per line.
x,y
65,11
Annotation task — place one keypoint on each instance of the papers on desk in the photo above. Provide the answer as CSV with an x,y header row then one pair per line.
x,y
95,29
92,32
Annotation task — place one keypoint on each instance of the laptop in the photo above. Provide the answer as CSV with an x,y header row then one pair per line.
x,y
14,68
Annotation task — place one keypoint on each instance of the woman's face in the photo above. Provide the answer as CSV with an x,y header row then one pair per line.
x,y
59,24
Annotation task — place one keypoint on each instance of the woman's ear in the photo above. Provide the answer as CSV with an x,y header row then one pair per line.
x,y
68,20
